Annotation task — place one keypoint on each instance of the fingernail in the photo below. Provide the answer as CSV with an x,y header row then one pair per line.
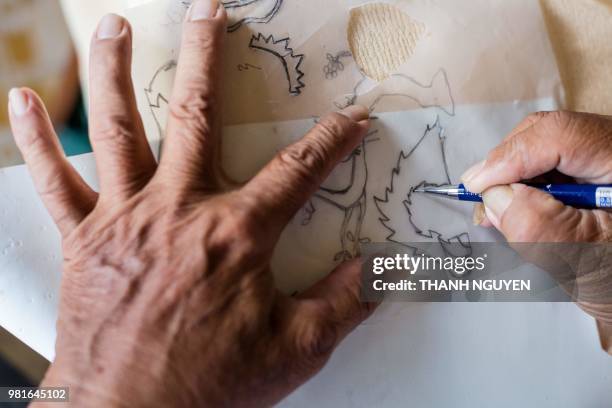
x,y
356,113
203,9
496,201
110,27
18,101
479,214
473,171
605,335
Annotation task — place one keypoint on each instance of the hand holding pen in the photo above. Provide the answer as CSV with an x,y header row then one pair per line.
x,y
575,144
579,196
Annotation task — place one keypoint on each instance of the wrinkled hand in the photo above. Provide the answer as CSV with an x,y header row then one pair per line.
x,y
167,296
577,145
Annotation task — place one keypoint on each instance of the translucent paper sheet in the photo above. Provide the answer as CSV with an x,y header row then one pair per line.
x,y
296,63
471,77
478,70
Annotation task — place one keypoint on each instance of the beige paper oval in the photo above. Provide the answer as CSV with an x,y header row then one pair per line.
x,y
382,38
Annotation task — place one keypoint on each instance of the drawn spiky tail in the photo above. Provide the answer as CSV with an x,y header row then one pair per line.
x,y
281,50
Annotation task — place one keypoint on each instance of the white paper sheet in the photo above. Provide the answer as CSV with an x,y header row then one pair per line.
x,y
434,355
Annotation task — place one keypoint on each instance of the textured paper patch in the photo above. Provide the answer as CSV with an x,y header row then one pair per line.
x,y
382,38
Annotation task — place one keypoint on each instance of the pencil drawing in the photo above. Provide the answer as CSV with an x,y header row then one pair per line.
x,y
401,188
436,93
290,61
158,97
334,64
402,214
350,197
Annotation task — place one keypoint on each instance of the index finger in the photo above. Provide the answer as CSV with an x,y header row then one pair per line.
x,y
296,172
576,144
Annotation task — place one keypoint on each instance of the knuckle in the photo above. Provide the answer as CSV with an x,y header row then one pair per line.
x,y
201,40
514,152
549,133
116,130
519,152
194,108
554,124
306,158
317,344
559,119
536,117
238,232
333,127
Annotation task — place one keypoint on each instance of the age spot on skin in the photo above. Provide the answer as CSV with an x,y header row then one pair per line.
x,y
382,38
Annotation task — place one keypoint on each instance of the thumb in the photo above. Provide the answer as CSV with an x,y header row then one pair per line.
x,y
328,311
526,214
340,293
605,335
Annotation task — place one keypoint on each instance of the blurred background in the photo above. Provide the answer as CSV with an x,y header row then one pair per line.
x,y
36,51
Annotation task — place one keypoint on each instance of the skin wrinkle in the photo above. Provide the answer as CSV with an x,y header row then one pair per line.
x,y
578,146
301,159
115,124
601,233
197,84
523,148
187,273
192,112
116,132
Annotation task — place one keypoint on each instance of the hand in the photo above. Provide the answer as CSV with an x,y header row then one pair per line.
x,y
167,296
577,145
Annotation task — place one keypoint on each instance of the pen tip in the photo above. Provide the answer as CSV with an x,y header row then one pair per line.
x,y
420,190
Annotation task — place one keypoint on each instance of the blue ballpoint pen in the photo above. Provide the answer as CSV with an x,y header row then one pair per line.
x,y
583,196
